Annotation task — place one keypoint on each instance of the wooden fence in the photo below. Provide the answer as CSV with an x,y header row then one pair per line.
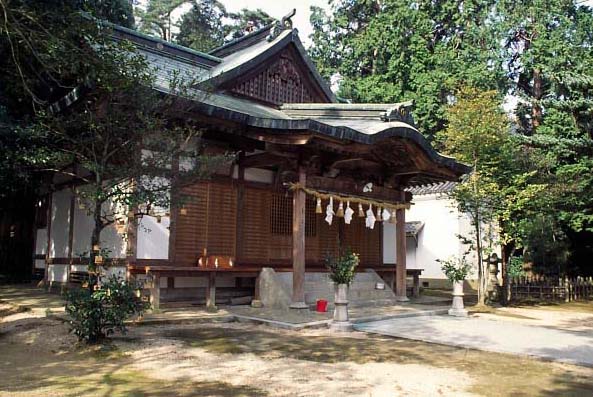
x,y
551,289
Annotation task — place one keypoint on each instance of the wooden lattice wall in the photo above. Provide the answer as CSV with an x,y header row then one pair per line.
x,y
210,222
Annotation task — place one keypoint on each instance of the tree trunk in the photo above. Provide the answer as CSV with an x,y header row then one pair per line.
x,y
536,110
507,252
482,275
95,242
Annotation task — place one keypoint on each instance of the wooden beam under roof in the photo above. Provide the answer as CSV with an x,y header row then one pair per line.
x,y
352,188
263,159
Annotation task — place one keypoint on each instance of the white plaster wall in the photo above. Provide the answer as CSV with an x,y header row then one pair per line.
x,y
113,241
194,282
438,239
255,175
57,273
389,247
60,224
153,238
118,271
39,263
83,229
163,282
190,282
411,254
41,242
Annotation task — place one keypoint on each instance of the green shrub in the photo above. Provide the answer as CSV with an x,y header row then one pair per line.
x,y
342,269
516,267
94,315
456,269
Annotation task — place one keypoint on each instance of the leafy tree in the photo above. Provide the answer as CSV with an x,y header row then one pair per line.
x,y
157,17
538,53
115,135
395,50
201,28
246,21
477,134
43,56
548,58
119,12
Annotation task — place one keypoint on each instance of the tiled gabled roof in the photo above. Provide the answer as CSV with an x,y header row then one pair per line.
x,y
413,228
433,188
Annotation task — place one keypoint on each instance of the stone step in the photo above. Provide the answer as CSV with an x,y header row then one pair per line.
x,y
365,303
319,286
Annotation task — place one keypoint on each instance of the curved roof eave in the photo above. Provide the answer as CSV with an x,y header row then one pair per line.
x,y
403,131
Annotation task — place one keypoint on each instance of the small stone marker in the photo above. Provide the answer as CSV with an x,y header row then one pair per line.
x,y
341,322
457,309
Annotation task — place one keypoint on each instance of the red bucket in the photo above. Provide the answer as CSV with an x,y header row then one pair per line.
x,y
321,305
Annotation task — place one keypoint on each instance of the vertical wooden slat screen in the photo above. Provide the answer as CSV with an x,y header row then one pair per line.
x,y
312,253
256,225
280,219
328,237
191,227
222,207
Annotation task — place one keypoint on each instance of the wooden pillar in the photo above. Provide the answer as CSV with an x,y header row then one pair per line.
x,y
155,292
211,291
298,244
416,290
47,249
240,211
173,212
131,236
400,255
71,234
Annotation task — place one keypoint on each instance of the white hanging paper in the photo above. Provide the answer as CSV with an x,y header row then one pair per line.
x,y
329,211
370,221
348,213
386,214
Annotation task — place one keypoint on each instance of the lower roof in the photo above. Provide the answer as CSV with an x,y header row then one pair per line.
x,y
370,130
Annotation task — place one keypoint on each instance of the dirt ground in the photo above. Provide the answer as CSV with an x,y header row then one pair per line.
x,y
39,358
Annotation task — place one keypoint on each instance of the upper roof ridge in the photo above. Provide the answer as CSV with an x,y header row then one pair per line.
x,y
268,32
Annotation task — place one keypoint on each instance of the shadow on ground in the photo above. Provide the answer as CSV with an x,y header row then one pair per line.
x,y
496,374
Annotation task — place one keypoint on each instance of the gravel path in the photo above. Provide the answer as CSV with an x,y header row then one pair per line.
x,y
501,336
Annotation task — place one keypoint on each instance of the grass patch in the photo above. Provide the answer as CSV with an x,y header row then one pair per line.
x,y
583,306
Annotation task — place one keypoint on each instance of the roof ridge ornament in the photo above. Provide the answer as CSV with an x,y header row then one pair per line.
x,y
400,112
282,25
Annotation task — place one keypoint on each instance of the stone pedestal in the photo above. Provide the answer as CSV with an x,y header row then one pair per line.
x,y
493,286
256,303
457,309
341,321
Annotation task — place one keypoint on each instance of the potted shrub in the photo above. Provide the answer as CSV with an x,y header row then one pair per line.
x,y
456,270
341,272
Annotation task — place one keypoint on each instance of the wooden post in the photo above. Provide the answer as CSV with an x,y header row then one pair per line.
x,y
47,250
400,254
298,244
71,235
240,210
155,292
256,292
416,289
173,213
211,292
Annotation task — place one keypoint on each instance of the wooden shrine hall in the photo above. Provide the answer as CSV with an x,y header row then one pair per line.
x,y
310,175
